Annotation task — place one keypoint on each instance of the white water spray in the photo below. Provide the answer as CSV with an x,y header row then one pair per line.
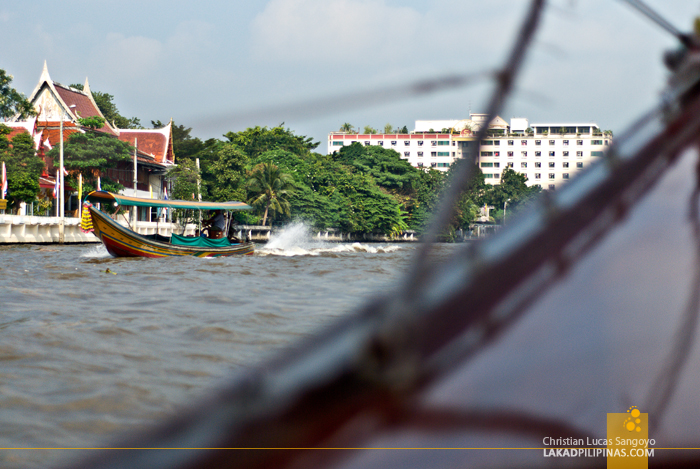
x,y
298,239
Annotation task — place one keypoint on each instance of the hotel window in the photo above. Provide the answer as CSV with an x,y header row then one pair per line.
x,y
433,164
523,164
565,175
486,153
488,176
538,176
338,143
566,143
596,142
366,142
538,142
454,143
606,143
393,142
406,143
579,142
420,143
497,165
381,143
579,154
551,142
433,153
486,165
453,153
433,142
566,153
552,187
552,175
443,142
596,153
443,153
565,164
510,142
420,164
551,164
551,153
523,153
538,164
420,153
407,154
510,153
496,175
497,142
538,153
509,165
443,165
496,153
487,142
523,142
579,164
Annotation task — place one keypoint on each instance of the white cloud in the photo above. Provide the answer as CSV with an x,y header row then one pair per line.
x,y
294,30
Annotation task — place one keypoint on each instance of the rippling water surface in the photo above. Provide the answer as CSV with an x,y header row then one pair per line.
x,y
93,347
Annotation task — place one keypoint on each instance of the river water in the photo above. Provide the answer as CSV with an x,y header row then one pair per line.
x,y
93,347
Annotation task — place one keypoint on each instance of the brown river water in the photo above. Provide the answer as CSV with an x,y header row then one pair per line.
x,y
87,356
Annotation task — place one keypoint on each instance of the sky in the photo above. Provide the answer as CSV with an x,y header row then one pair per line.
x,y
214,65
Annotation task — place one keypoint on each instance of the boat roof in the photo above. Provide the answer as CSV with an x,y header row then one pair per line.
x,y
127,200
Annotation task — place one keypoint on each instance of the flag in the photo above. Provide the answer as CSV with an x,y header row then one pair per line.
x,y
57,186
4,182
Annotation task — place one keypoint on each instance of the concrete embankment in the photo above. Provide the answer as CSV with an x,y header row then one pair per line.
x,y
16,229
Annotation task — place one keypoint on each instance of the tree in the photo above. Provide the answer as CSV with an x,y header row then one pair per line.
x,y
257,140
404,130
228,174
23,166
11,101
369,130
91,154
347,127
388,129
270,188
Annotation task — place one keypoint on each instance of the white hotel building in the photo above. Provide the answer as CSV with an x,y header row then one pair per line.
x,y
549,155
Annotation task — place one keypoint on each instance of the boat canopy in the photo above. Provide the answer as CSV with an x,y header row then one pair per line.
x,y
127,200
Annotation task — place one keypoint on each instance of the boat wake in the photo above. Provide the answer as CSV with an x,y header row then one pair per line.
x,y
298,240
97,251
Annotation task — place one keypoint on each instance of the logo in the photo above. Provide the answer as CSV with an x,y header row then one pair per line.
x,y
629,445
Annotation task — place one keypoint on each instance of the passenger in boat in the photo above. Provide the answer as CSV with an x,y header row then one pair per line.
x,y
215,225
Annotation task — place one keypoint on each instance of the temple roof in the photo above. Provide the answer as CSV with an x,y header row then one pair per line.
x,y
85,106
154,142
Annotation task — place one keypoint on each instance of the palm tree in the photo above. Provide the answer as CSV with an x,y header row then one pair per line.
x,y
270,187
347,127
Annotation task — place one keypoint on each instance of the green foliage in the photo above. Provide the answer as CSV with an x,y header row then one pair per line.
x,y
90,154
347,127
23,166
270,188
384,165
226,175
94,122
11,101
185,177
257,140
369,130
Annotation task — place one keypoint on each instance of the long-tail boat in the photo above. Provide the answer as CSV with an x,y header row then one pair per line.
x,y
121,241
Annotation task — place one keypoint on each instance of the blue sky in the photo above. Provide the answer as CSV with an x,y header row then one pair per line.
x,y
209,64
